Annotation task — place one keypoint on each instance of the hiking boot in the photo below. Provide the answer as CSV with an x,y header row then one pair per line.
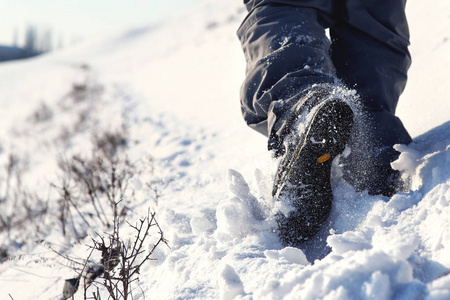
x,y
368,165
303,176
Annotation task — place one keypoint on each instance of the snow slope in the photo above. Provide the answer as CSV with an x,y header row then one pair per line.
x,y
173,87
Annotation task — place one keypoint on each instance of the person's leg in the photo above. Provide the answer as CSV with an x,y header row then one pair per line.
x,y
291,95
286,50
370,52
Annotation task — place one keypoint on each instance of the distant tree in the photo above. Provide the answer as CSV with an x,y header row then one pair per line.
x,y
31,40
46,41
15,37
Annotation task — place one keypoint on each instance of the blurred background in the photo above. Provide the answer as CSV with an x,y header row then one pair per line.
x,y
32,27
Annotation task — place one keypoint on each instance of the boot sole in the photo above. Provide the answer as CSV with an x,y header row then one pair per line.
x,y
325,138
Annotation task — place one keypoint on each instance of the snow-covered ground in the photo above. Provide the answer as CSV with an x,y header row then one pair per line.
x,y
173,89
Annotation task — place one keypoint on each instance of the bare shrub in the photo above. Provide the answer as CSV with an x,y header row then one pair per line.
x,y
77,108
84,91
92,192
96,183
84,94
129,256
120,263
21,211
110,143
41,114
18,207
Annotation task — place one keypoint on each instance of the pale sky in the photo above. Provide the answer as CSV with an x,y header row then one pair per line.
x,y
78,19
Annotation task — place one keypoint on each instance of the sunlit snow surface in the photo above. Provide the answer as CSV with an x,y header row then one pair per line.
x,y
174,88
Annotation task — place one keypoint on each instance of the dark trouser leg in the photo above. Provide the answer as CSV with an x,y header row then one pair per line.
x,y
375,63
286,50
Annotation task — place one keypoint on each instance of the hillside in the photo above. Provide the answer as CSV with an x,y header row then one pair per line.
x,y
158,107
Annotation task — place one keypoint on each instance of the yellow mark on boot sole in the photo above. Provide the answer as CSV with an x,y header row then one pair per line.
x,y
324,158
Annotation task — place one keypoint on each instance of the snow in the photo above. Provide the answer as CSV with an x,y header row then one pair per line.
x,y
173,88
